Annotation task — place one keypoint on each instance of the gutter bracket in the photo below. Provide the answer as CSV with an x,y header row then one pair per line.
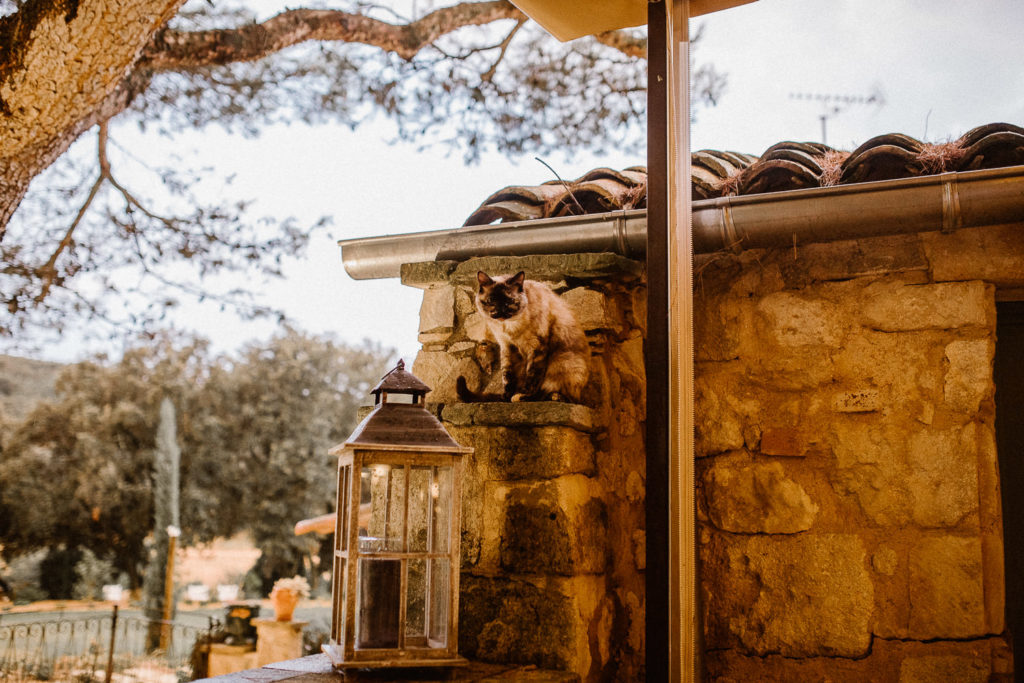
x,y
731,239
619,233
952,219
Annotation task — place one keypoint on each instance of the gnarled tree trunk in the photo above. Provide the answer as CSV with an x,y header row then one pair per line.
x,y
64,66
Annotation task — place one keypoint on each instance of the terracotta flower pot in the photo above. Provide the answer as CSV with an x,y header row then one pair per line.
x,y
284,602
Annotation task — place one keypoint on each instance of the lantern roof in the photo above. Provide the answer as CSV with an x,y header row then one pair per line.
x,y
401,425
569,19
400,381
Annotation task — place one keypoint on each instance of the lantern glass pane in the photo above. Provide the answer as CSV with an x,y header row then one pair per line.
x,y
344,486
340,584
438,590
377,603
382,516
419,507
416,604
441,493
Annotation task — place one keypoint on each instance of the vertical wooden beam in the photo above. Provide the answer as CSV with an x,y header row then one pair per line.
x,y
672,634
683,626
656,352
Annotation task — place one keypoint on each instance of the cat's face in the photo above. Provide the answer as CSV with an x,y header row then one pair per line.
x,y
500,297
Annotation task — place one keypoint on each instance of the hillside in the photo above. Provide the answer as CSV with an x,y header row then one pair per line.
x,y
23,382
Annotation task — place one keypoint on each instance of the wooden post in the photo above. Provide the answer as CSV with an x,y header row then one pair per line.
x,y
672,629
113,640
656,351
684,630
165,628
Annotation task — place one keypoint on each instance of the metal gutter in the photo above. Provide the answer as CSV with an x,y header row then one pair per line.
x,y
945,202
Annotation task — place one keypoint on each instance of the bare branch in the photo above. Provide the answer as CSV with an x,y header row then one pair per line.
x,y
177,50
628,43
49,271
489,74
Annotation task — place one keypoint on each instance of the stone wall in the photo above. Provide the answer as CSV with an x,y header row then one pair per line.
x,y
848,494
552,539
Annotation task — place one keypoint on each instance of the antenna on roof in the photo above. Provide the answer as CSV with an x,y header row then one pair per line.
x,y
832,105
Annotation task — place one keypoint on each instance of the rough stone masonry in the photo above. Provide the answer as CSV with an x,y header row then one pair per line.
x,y
848,494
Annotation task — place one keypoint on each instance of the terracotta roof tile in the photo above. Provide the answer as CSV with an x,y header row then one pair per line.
x,y
784,166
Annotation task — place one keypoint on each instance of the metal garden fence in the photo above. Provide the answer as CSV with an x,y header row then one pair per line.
x,y
102,649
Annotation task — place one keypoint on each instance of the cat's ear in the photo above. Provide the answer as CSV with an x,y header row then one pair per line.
x,y
517,279
483,278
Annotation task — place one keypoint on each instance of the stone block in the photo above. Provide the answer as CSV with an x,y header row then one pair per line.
x,y
550,267
476,327
992,254
906,366
628,362
791,341
426,274
798,596
509,453
228,659
784,441
861,401
439,371
898,475
592,309
942,475
946,592
968,378
885,561
437,314
724,407
522,414
721,324
638,302
897,307
944,668
890,661
554,527
851,259
545,622
793,320
278,641
750,498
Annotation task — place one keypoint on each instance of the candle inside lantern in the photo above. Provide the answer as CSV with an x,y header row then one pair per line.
x,y
380,583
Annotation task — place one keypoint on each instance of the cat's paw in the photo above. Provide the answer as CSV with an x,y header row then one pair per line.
x,y
556,397
516,398
486,357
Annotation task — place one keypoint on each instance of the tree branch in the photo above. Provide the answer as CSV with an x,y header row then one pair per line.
x,y
626,42
49,271
486,77
177,50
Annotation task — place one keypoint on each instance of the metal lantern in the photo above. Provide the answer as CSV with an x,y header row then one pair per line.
x,y
396,540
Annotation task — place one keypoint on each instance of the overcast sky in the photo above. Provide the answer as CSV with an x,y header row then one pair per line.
x,y
941,66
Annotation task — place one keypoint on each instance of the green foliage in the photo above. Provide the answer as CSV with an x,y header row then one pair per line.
x,y
91,573
57,572
22,575
166,513
253,430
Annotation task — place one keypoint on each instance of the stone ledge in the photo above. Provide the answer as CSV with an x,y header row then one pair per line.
x,y
317,668
522,414
423,275
544,267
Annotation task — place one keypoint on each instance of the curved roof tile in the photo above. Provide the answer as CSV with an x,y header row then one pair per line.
x,y
783,166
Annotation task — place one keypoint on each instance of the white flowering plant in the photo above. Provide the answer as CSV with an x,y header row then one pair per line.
x,y
296,584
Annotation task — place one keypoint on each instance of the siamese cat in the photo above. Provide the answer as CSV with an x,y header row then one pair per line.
x,y
543,351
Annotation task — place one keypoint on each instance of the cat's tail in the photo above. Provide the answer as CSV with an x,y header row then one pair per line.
x,y
467,396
